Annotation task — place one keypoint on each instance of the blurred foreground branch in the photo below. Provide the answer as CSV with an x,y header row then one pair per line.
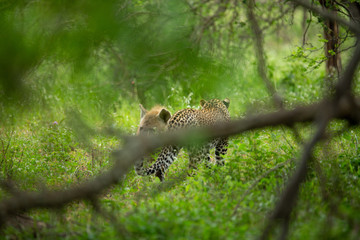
x,y
343,105
136,147
342,101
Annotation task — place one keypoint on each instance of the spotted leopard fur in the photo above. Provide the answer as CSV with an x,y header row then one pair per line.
x,y
211,112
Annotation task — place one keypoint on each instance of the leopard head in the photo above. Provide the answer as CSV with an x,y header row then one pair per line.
x,y
154,120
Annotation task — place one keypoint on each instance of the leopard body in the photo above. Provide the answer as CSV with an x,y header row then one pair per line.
x,y
212,112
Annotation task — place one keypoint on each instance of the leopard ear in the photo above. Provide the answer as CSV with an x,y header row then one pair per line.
x,y
226,101
164,115
143,111
202,102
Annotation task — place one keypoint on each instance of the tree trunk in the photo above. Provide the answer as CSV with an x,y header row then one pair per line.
x,y
331,34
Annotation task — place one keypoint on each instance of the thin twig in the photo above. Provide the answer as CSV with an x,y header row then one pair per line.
x,y
253,185
343,6
289,197
344,86
306,30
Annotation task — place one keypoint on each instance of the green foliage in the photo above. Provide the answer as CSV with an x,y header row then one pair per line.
x,y
57,142
72,75
49,153
221,202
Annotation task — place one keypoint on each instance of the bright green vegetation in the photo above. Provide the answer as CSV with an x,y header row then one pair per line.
x,y
217,203
75,113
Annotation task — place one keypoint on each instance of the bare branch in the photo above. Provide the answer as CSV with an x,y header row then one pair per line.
x,y
344,86
329,15
258,37
306,30
342,106
347,9
343,99
259,47
288,199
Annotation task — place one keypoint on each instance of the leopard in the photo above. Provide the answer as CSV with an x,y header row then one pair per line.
x,y
211,113
153,121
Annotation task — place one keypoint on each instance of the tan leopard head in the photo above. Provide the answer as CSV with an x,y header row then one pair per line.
x,y
216,109
154,120
215,103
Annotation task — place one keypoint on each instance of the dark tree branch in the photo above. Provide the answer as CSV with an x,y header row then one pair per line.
x,y
346,8
343,99
329,15
262,65
344,86
289,197
136,147
306,30
342,106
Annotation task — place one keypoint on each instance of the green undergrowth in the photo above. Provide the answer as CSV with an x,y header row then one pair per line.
x,y
230,202
68,135
72,79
